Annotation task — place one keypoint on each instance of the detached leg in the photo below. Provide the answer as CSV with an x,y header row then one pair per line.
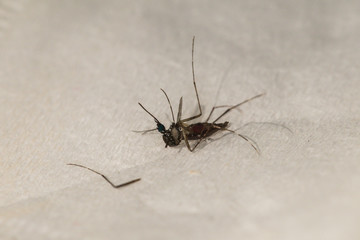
x,y
112,184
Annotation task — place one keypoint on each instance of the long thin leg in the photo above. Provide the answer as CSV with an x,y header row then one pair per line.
x,y
187,141
271,123
237,105
188,144
252,143
112,184
197,95
198,142
215,107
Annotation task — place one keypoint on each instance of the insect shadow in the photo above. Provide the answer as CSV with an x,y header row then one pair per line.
x,y
181,130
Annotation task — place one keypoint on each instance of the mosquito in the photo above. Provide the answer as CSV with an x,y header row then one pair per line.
x,y
181,130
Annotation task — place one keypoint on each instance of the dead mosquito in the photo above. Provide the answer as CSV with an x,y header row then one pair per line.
x,y
112,184
180,129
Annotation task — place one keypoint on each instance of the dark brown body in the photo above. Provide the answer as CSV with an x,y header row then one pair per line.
x,y
202,130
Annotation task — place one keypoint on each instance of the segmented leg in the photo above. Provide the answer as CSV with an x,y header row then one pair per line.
x,y
188,144
112,184
215,107
197,95
252,143
237,105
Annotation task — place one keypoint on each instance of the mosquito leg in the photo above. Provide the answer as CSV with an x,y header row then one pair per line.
x,y
112,184
237,105
188,144
271,123
197,95
215,107
187,141
198,142
252,143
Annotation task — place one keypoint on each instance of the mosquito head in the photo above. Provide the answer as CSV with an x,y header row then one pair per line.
x,y
172,136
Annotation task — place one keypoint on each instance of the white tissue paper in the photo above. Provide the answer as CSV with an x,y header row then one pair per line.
x,y
72,74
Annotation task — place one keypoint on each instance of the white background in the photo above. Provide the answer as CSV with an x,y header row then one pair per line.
x,y
72,72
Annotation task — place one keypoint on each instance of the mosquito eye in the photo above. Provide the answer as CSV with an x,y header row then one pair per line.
x,y
160,128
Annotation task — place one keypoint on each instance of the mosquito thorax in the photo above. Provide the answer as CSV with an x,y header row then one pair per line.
x,y
172,136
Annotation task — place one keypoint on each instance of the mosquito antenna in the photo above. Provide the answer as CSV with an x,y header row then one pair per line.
x,y
112,184
172,113
157,121
144,131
